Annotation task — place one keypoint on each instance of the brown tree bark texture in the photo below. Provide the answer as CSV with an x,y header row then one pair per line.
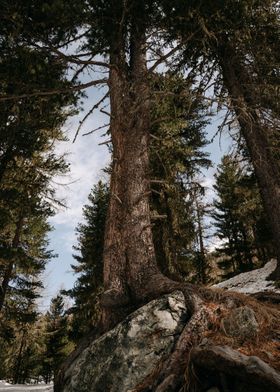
x,y
131,274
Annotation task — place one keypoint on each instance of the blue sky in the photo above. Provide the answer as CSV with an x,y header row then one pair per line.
x,y
87,159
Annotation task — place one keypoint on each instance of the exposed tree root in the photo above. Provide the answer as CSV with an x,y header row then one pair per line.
x,y
206,327
217,319
229,370
267,296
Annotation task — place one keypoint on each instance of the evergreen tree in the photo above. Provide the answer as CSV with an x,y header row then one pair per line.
x,y
29,128
89,267
201,210
24,228
117,32
20,339
57,345
235,47
177,156
237,214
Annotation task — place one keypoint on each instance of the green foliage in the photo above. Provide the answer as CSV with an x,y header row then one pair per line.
x,y
56,342
89,267
18,339
238,216
29,129
30,126
33,345
177,157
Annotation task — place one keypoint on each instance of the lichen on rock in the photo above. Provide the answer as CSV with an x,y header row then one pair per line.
x,y
241,323
126,355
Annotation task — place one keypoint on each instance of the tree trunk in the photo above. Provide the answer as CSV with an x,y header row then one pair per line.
x,y
257,136
130,268
18,361
6,158
202,261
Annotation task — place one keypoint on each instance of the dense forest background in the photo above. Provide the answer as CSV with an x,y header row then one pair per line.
x,y
50,54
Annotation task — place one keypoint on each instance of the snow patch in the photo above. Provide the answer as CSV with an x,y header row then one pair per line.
x,y
253,281
5,386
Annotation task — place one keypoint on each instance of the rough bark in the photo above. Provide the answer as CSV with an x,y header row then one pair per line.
x,y
257,134
131,274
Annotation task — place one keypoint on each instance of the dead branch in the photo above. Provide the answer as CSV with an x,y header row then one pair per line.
x,y
96,129
158,182
155,191
165,57
79,87
74,39
78,72
154,137
96,106
76,59
117,198
158,217
104,112
106,142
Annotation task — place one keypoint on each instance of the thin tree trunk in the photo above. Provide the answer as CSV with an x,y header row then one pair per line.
x,y
17,376
257,136
202,261
4,161
247,250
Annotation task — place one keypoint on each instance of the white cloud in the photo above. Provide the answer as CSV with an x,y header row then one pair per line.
x,y
208,183
215,243
87,159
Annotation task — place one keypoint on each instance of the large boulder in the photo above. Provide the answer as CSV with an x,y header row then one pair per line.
x,y
123,357
160,346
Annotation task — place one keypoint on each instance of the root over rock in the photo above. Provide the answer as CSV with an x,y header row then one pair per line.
x,y
223,342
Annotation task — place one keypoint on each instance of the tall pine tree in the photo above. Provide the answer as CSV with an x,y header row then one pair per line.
x,y
237,214
89,263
